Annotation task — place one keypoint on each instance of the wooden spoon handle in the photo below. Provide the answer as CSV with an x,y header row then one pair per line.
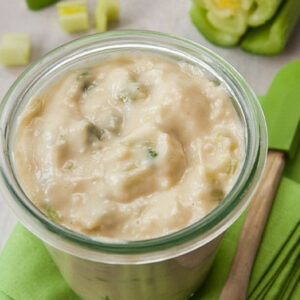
x,y
236,285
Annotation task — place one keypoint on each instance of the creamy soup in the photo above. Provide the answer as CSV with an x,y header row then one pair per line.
x,y
133,148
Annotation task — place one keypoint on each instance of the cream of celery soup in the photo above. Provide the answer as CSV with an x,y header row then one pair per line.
x,y
133,148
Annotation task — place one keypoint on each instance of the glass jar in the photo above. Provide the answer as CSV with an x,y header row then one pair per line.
x,y
168,267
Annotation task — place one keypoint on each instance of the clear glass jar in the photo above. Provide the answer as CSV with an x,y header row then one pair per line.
x,y
168,267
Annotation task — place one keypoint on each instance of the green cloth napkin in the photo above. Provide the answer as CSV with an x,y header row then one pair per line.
x,y
28,273
282,233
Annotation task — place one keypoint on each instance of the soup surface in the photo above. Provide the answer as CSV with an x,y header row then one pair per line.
x,y
133,148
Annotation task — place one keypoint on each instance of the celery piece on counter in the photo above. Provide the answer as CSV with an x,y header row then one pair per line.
x,y
73,16
262,11
228,15
106,10
15,49
224,22
39,4
199,18
113,10
101,16
272,37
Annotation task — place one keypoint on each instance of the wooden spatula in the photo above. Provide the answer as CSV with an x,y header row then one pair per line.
x,y
282,111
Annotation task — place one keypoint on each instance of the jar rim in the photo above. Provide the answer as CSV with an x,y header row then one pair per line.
x,y
192,236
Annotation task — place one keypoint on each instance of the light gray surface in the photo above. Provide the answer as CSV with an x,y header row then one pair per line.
x,y
170,16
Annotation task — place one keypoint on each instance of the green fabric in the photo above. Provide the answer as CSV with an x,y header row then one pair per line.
x,y
281,106
27,272
283,223
292,168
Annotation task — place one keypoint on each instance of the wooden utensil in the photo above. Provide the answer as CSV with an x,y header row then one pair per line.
x,y
282,111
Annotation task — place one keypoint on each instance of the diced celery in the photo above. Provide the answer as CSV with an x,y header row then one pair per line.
x,y
219,37
272,37
106,10
101,20
93,133
73,16
39,4
151,153
52,213
113,10
235,24
15,49
218,194
262,12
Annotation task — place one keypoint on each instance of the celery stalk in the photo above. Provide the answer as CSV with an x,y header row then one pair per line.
x,y
101,16
15,49
216,36
263,11
272,37
113,10
73,16
106,10
39,4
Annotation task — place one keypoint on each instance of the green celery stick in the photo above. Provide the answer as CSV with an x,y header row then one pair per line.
x,y
236,24
101,16
106,10
39,4
113,10
73,16
218,37
272,37
15,49
263,11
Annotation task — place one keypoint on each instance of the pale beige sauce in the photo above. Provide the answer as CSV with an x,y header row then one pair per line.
x,y
136,147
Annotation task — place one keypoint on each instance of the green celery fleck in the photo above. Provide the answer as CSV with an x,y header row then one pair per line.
x,y
82,75
232,167
218,194
87,86
52,213
94,131
126,97
152,153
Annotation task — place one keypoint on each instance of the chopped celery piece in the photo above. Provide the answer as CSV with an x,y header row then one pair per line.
x,y
73,16
224,22
106,10
82,75
272,37
15,49
152,153
223,8
101,20
216,36
263,11
39,4
87,86
68,165
218,194
236,24
94,133
52,213
113,10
